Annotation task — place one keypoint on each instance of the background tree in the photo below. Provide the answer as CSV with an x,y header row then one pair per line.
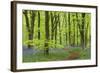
x,y
30,19
38,25
69,28
47,32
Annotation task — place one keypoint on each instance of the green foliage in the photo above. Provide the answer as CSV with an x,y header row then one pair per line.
x,y
85,54
64,29
75,21
39,44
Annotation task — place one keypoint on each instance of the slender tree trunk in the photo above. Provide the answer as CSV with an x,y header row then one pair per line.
x,y
83,22
77,36
74,30
86,33
69,28
77,29
46,32
32,18
56,33
52,26
65,17
38,25
59,29
56,24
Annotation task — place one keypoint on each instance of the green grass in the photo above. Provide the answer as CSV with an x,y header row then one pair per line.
x,y
56,56
85,54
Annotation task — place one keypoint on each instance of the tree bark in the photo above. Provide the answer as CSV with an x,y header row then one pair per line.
x,y
55,28
74,30
38,25
59,29
83,31
69,28
46,32
52,26
65,17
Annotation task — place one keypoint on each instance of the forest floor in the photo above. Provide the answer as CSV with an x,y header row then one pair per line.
x,y
55,54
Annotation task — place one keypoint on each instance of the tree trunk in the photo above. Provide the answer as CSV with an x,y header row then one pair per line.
x,y
52,26
74,30
65,17
78,27
59,30
38,25
46,32
55,28
83,31
32,18
69,28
